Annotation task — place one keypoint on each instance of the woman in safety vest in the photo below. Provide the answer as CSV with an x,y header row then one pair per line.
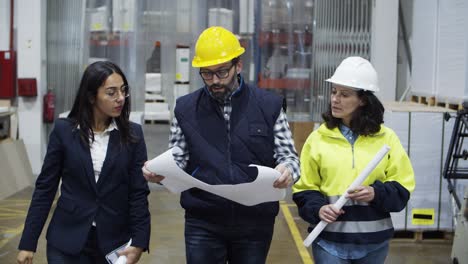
x,y
335,154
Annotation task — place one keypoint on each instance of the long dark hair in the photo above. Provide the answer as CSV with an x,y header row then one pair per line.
x,y
366,119
82,111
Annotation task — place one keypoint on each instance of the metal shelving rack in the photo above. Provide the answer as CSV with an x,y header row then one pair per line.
x,y
455,168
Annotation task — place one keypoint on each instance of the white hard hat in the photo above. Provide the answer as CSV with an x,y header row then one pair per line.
x,y
357,73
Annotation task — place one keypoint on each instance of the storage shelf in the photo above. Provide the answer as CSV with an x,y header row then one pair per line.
x,y
99,38
284,83
283,38
112,42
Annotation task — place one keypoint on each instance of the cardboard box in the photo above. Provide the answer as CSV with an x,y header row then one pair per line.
x,y
98,19
155,111
425,135
123,14
300,131
183,64
153,82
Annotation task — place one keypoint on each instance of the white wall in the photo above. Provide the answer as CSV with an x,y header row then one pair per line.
x,y
384,46
31,29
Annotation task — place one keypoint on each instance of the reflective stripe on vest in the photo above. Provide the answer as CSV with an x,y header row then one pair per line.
x,y
357,226
334,199
360,226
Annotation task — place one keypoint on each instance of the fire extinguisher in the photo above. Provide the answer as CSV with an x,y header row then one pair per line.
x,y
49,107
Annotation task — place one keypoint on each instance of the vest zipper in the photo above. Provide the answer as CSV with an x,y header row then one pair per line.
x,y
352,148
229,157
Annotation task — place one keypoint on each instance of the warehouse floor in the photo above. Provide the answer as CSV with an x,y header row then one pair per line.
x,y
167,241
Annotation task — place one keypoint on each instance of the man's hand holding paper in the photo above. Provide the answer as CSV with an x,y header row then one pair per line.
x,y
176,180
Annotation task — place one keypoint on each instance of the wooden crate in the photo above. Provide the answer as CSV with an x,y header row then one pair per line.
x,y
300,132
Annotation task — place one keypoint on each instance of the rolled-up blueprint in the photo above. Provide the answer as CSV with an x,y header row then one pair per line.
x,y
342,200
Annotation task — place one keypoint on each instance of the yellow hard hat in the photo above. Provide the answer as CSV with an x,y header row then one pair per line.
x,y
216,45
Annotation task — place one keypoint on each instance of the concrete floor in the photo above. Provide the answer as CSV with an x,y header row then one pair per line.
x,y
167,241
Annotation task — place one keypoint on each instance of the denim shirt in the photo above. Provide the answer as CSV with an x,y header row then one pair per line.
x,y
344,250
348,134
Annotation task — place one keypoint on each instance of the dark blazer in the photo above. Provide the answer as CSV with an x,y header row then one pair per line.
x,y
117,202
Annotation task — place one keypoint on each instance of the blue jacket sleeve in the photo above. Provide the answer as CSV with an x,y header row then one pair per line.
x,y
390,196
309,204
393,193
45,190
140,222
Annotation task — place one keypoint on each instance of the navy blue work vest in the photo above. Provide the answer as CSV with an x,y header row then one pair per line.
x,y
217,157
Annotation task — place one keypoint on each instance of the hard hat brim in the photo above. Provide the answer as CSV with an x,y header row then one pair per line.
x,y
198,63
357,87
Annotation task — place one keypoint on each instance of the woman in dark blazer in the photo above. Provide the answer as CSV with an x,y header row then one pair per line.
x,y
97,153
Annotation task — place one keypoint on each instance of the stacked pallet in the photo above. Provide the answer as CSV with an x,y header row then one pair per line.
x,y
434,101
425,135
439,50
156,106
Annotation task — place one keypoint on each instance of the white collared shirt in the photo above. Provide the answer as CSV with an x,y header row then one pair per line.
x,y
98,148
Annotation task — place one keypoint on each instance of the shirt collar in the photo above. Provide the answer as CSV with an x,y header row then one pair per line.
x,y
348,133
345,130
111,126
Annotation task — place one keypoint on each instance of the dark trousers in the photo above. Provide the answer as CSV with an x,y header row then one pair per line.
x,y
219,244
89,255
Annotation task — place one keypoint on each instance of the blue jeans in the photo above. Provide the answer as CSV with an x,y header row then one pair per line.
x,y
209,243
89,255
322,256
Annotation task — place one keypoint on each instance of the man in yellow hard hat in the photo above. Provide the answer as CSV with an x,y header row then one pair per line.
x,y
222,128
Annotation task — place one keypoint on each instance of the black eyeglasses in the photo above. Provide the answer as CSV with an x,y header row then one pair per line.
x,y
113,92
221,74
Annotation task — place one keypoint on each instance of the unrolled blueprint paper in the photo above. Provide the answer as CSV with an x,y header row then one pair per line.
x,y
177,180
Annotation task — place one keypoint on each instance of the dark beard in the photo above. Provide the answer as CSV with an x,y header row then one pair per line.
x,y
220,96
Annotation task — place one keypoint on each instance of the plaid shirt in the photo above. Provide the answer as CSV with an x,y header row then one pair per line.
x,y
284,151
